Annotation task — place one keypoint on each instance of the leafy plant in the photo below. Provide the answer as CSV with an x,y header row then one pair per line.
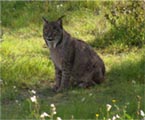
x,y
127,20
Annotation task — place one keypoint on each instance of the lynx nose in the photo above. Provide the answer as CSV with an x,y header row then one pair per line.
x,y
49,38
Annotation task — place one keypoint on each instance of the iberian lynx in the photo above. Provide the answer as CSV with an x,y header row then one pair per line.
x,y
76,63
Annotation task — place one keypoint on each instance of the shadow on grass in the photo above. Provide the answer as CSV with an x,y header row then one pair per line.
x,y
122,35
128,71
119,79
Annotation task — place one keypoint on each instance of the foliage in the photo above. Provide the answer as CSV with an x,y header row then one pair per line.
x,y
128,23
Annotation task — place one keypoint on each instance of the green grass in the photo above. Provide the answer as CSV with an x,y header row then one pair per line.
x,y
23,55
25,64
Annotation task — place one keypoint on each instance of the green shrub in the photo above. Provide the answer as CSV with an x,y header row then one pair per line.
x,y
127,20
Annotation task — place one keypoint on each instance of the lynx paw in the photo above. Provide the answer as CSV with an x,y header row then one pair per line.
x,y
60,89
84,85
55,88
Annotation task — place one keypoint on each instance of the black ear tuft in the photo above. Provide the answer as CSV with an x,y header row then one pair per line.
x,y
59,20
46,21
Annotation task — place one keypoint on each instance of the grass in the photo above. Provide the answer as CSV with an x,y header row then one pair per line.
x,y
25,66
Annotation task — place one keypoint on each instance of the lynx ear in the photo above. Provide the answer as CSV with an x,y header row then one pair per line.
x,y
59,20
45,21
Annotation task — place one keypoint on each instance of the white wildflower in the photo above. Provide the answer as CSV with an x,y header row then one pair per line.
x,y
133,82
53,108
33,91
33,99
114,118
83,99
58,118
58,6
43,115
90,94
16,101
117,116
72,117
54,112
52,105
108,107
142,113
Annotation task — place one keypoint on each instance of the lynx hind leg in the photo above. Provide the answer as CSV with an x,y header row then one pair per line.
x,y
86,84
98,76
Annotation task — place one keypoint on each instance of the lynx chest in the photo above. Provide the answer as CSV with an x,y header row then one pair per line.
x,y
56,56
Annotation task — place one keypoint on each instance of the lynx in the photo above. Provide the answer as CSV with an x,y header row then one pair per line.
x,y
76,63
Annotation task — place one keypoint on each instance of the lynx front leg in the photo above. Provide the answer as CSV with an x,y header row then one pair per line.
x,y
58,76
65,78
67,64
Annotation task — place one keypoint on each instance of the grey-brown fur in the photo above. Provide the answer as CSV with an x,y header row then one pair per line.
x,y
75,62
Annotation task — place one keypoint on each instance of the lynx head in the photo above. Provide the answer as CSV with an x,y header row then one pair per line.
x,y
53,32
